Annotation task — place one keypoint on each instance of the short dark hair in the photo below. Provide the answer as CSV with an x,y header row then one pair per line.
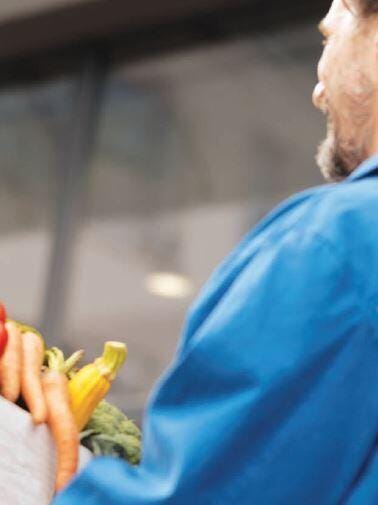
x,y
366,7
369,6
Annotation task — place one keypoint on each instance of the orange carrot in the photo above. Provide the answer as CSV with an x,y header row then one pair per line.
x,y
31,380
11,364
62,425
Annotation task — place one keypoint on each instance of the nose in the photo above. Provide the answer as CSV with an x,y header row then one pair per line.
x,y
318,95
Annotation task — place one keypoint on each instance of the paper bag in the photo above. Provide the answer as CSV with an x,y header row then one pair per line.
x,y
27,459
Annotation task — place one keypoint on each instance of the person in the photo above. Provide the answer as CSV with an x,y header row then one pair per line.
x,y
271,398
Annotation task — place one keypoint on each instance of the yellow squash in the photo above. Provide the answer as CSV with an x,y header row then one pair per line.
x,y
91,384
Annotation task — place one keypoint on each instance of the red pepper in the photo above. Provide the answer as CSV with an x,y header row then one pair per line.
x,y
3,330
3,313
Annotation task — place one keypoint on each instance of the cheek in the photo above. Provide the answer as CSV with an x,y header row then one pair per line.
x,y
332,73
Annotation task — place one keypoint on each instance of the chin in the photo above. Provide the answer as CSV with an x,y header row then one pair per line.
x,y
337,159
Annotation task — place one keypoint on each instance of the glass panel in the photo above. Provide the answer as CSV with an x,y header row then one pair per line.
x,y
32,125
193,149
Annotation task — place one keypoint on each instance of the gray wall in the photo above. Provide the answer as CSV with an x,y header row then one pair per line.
x,y
192,150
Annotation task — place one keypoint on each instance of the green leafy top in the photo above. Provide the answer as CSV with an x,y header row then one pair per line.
x,y
110,432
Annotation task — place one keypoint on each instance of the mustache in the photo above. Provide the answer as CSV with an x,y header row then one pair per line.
x,y
324,107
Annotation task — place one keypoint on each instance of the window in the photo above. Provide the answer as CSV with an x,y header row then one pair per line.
x,y
192,149
33,122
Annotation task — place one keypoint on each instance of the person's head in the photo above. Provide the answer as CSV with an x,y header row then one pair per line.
x,y
347,91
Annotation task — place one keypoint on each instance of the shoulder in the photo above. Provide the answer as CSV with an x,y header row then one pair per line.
x,y
356,201
346,218
326,241
343,214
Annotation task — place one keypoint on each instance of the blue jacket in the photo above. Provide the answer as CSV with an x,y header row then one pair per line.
x,y
272,398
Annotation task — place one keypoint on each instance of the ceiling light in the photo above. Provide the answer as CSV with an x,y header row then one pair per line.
x,y
169,285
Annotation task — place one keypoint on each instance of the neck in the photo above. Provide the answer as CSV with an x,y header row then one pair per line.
x,y
374,139
374,144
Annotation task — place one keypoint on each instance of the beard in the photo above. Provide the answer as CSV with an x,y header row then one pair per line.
x,y
336,158
345,148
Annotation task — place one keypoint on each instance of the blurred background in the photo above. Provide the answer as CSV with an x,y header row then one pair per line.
x,y
139,141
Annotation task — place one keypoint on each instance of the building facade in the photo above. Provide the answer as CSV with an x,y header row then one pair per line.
x,y
138,143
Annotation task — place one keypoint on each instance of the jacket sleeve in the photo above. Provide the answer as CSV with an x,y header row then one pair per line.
x,y
269,402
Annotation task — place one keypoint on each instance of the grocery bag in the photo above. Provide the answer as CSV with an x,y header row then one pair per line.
x,y
27,458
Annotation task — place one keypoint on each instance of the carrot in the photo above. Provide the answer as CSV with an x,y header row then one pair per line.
x,y
11,364
31,380
62,425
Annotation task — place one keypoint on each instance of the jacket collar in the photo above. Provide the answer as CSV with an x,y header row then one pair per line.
x,y
367,168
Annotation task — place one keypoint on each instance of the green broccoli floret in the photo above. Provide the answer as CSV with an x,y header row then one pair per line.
x,y
110,420
110,433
